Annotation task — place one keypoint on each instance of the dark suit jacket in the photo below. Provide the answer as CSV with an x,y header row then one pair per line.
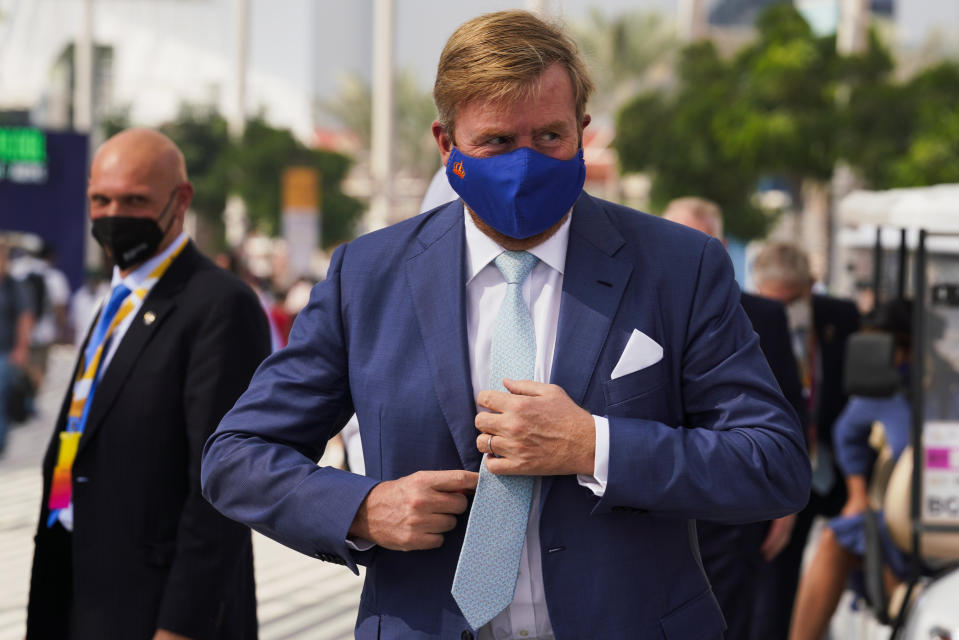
x,y
768,318
147,550
834,320
703,433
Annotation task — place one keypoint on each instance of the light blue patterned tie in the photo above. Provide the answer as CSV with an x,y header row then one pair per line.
x,y
489,560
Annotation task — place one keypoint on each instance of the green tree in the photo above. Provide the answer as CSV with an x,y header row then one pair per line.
x,y
905,134
876,117
203,137
253,167
770,111
674,137
262,155
783,113
932,156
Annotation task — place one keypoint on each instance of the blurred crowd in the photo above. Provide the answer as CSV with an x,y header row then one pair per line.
x,y
39,309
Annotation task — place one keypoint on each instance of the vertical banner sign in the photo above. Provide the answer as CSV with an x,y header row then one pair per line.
x,y
941,481
43,186
301,217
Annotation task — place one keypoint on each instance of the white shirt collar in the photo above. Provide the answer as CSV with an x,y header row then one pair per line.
x,y
136,277
482,250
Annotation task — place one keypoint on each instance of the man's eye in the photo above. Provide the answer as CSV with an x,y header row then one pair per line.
x,y
137,200
497,140
550,136
98,200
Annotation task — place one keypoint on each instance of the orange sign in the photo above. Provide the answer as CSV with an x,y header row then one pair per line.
x,y
301,188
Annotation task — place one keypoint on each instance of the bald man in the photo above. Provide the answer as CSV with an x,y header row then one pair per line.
x,y
126,547
733,555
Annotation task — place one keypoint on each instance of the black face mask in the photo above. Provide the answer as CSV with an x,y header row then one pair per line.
x,y
130,241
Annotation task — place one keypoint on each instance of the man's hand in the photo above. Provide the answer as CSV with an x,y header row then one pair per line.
x,y
537,431
163,634
413,512
780,531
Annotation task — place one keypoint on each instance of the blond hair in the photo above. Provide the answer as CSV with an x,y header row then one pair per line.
x,y
699,209
498,57
782,262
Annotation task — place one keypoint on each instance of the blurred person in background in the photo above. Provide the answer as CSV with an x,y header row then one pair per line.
x,y
233,262
16,325
733,554
443,332
49,291
819,327
126,547
841,546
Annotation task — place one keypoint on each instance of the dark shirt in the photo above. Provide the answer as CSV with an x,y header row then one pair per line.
x,y
13,303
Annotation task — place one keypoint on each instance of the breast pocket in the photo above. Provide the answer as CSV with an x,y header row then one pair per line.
x,y
641,394
635,385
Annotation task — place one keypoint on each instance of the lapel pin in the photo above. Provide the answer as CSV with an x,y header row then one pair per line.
x,y
149,318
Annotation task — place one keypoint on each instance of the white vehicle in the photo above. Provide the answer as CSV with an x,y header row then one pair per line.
x,y
921,492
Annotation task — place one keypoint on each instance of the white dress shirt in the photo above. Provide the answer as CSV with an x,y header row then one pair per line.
x,y
527,616
133,281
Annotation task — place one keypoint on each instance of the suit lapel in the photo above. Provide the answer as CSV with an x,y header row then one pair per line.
x,y
437,279
593,285
158,306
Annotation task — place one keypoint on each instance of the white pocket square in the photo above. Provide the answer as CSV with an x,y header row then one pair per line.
x,y
641,351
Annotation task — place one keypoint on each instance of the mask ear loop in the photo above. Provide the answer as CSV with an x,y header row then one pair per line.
x,y
166,209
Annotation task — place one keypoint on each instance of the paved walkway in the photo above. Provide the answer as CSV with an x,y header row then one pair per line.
x,y
298,597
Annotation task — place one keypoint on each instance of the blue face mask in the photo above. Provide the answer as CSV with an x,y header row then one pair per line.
x,y
520,193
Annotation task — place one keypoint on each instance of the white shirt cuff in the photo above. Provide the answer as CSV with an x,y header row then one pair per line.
x,y
359,544
597,482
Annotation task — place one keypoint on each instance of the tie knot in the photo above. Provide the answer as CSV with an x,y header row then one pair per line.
x,y
120,291
117,296
515,265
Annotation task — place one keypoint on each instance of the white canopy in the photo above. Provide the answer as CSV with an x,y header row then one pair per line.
x,y
935,208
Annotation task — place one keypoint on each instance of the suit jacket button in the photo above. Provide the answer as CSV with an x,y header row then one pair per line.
x,y
466,635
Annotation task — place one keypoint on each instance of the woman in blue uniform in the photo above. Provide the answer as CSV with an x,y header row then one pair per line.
x,y
841,546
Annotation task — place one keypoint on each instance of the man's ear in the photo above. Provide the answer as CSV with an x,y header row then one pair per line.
x,y
184,197
443,140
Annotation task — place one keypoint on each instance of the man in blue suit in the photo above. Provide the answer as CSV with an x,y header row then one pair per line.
x,y
645,404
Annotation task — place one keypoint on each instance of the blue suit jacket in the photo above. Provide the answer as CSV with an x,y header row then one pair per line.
x,y
704,433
